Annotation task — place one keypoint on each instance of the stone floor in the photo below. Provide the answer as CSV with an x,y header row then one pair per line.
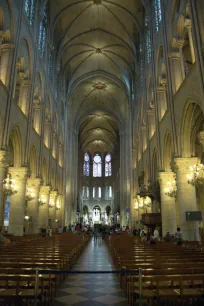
x,y
92,289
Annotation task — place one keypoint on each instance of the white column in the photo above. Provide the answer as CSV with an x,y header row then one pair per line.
x,y
168,205
177,75
44,195
33,206
17,206
24,96
186,196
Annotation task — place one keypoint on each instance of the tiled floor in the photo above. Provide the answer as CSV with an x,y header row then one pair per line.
x,y
92,289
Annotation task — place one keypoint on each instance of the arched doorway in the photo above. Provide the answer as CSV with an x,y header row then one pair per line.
x,y
96,219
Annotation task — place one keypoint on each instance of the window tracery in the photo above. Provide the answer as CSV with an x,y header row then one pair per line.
x,y
86,168
108,165
43,33
148,40
97,166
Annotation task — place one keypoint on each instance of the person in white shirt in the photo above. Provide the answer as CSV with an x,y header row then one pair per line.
x,y
156,235
178,236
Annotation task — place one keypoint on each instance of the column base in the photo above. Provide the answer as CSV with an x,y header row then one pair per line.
x,y
16,230
190,232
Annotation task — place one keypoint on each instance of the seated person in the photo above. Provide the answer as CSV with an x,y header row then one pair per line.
x,y
4,240
156,235
167,237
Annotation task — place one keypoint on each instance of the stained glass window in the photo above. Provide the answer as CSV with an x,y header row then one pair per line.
x,y
51,65
148,40
157,13
30,10
43,33
86,168
108,166
97,166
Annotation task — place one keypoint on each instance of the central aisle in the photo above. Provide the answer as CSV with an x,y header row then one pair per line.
x,y
92,289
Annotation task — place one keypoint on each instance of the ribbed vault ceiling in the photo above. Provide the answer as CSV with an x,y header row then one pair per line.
x,y
97,42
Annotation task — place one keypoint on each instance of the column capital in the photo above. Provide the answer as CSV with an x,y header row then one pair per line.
x,y
183,163
53,194
165,177
34,182
163,83
7,47
174,55
178,43
150,112
188,23
160,89
45,189
19,174
201,138
26,82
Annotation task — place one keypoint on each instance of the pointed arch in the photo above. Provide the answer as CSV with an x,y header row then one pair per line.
x,y
191,123
15,141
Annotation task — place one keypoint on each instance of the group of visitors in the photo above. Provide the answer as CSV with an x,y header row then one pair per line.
x,y
146,236
46,232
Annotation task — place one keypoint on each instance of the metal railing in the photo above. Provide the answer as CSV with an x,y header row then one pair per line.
x,y
122,272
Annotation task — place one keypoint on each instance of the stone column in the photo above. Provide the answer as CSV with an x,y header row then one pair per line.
x,y
44,208
168,205
186,196
52,209
24,96
17,206
7,51
179,45
2,177
33,206
162,104
59,208
177,76
188,25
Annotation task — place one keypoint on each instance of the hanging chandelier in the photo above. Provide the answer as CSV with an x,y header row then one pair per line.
x,y
196,177
58,206
171,189
51,203
29,194
9,185
42,200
